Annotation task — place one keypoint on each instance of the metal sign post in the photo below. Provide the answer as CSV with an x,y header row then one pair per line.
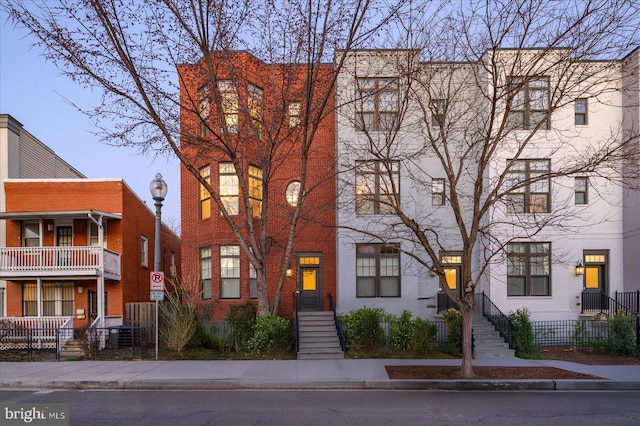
x,y
157,293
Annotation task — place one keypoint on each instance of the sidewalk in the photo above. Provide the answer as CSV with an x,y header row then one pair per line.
x,y
290,374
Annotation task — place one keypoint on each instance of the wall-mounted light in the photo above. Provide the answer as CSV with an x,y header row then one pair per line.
x,y
50,227
80,289
579,268
289,272
433,272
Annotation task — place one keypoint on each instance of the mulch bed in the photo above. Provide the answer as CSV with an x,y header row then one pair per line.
x,y
501,373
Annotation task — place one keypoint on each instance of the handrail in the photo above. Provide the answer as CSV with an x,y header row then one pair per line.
x,y
500,321
295,308
602,303
343,343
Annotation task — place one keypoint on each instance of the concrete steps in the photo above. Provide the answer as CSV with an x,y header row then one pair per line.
x,y
72,350
318,337
487,340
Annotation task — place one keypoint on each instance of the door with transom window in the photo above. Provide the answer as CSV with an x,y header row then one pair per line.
x,y
310,281
595,280
64,238
452,266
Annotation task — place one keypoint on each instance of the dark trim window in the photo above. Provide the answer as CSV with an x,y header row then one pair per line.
x,y
205,195
528,269
377,186
203,111
94,233
582,190
580,107
294,109
229,188
437,192
530,105
31,234
438,109
377,104
144,251
230,272
377,270
530,191
205,272
255,105
255,190
229,105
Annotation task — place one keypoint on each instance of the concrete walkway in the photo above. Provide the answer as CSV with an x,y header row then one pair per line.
x,y
290,374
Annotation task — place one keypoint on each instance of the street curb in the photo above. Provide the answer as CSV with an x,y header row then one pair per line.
x,y
471,385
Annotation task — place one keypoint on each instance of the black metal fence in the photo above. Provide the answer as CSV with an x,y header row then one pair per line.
x,y
576,333
627,302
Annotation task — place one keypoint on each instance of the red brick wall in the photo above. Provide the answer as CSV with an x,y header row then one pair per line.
x,y
316,229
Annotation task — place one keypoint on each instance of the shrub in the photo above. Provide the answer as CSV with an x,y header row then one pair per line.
x,y
523,339
242,319
411,335
271,334
362,328
453,345
622,338
423,337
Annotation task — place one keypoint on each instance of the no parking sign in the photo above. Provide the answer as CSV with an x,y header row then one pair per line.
x,y
157,281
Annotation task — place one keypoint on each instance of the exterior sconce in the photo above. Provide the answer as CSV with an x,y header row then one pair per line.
x,y
432,271
50,227
579,268
289,272
80,289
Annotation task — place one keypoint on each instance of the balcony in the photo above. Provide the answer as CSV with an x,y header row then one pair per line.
x,y
61,262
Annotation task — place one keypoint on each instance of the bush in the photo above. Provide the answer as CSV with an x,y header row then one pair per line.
x,y
362,328
271,334
416,336
242,319
523,339
453,345
622,338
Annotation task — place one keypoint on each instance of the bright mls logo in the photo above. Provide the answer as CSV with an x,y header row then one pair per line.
x,y
35,414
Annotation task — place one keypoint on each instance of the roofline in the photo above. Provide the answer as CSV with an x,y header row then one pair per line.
x,y
59,214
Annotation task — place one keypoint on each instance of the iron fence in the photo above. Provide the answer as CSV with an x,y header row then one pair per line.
x,y
575,333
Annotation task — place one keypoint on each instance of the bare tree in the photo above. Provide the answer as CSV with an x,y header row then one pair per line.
x,y
476,113
131,51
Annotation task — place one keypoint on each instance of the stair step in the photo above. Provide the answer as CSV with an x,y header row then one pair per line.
x,y
321,356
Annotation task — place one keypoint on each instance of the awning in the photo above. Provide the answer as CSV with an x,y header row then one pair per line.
x,y
71,214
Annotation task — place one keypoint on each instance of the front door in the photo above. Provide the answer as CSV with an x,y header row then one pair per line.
x,y
452,266
595,282
93,305
64,238
310,282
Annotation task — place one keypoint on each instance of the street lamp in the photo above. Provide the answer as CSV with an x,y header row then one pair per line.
x,y
158,188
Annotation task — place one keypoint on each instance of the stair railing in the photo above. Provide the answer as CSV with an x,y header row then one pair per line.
x,y
500,321
296,294
336,319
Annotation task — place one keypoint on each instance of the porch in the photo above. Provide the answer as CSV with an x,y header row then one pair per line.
x,y
74,261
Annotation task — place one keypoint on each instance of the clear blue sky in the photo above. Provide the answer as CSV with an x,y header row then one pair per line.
x,y
33,92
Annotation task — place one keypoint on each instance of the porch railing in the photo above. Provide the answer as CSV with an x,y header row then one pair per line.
x,y
601,303
296,296
336,319
38,332
630,299
500,321
56,259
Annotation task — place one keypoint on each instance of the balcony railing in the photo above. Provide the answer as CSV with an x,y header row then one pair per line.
x,y
75,260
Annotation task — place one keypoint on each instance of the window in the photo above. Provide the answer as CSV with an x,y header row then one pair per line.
x,y
144,250
229,188
255,108
438,109
255,190
530,104
30,299
57,299
253,282
205,272
229,105
294,114
582,190
229,272
203,111
377,104
377,186
94,237
377,270
293,189
31,234
528,269
531,190
437,192
205,195
580,107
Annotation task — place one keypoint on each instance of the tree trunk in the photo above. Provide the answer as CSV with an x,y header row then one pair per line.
x,y
466,368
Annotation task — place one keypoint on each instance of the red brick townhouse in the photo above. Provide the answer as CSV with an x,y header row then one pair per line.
x,y
259,107
63,235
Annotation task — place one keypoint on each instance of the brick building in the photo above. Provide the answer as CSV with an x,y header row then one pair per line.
x,y
252,110
52,259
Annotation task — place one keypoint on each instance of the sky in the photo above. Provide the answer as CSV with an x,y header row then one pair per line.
x,y
34,93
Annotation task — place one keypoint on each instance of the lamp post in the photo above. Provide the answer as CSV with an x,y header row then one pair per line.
x,y
158,188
